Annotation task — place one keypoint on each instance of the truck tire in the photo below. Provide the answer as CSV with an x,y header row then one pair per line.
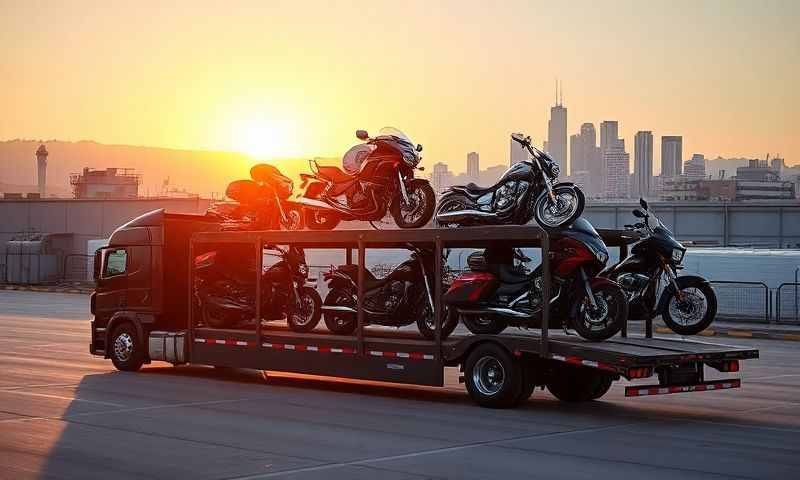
x,y
493,377
602,387
577,384
126,349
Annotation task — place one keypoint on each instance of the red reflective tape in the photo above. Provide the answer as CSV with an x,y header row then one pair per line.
x,y
416,355
324,349
390,354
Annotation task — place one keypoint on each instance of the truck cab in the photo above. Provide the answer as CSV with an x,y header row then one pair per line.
x,y
141,281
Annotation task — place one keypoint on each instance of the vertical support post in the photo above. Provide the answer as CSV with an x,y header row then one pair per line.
x,y
768,300
623,253
437,296
348,256
190,300
259,267
544,349
362,264
648,327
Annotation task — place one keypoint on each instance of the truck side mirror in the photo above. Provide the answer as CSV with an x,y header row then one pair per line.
x,y
98,260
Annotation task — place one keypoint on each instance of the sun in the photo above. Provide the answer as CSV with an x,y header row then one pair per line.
x,y
261,137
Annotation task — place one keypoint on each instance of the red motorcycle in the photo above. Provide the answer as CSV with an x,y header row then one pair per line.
x,y
382,180
497,293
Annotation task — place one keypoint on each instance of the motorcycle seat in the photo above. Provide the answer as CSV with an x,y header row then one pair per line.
x,y
334,174
510,274
370,281
474,190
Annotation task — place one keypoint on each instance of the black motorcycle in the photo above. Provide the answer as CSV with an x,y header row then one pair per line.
x,y
401,298
526,190
497,292
259,204
688,304
224,289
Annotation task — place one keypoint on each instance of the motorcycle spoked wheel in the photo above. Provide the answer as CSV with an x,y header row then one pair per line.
x,y
427,327
451,203
307,316
337,322
420,207
568,207
694,312
294,219
607,318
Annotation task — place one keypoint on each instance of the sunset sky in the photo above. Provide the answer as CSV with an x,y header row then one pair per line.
x,y
297,78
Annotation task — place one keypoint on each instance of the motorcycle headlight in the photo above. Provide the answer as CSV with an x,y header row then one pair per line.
x,y
411,159
677,255
303,269
602,257
554,170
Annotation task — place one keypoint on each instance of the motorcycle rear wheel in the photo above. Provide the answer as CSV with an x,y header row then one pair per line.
x,y
569,206
427,327
340,323
450,203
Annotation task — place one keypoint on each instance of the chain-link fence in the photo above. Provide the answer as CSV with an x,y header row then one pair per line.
x,y
77,268
787,303
743,301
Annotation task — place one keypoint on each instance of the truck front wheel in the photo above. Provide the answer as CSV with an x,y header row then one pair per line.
x,y
493,377
126,350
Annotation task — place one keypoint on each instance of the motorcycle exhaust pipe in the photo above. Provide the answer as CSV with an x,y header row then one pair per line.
x,y
310,202
338,308
506,312
463,215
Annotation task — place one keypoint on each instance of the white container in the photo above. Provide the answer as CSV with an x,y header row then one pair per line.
x,y
167,346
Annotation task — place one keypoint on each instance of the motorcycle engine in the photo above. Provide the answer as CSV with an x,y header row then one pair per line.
x,y
505,195
356,196
387,299
535,295
632,282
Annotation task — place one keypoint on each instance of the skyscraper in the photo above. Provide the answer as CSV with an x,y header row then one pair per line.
x,y
517,153
41,169
609,133
473,166
441,177
671,156
585,157
617,163
557,133
695,167
643,163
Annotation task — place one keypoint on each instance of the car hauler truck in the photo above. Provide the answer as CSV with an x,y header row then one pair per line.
x,y
145,309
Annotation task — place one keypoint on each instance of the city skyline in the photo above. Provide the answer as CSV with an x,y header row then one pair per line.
x,y
203,76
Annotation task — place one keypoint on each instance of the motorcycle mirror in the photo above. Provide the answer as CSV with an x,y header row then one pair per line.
x,y
362,135
639,213
643,203
419,147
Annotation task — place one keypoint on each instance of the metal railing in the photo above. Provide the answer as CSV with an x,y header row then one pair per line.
x,y
744,301
787,303
77,268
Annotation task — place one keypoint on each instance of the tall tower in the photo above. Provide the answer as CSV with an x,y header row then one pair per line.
x,y
671,154
473,166
41,168
557,132
643,163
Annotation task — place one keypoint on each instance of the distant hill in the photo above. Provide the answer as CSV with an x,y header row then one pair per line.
x,y
196,171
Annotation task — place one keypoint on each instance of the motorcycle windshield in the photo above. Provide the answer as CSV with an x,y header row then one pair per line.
x,y
394,132
584,232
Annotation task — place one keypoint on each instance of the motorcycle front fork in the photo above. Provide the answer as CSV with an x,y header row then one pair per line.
x,y
403,192
672,280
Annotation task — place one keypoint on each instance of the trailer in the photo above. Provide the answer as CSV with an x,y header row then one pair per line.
x,y
144,309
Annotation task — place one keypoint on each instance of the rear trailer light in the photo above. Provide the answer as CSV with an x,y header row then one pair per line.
x,y
726,366
641,391
640,372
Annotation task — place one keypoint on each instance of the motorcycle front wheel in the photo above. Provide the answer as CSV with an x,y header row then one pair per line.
x,y
603,320
568,206
694,311
427,327
419,209
483,325
306,316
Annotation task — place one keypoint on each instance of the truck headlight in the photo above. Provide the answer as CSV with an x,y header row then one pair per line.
x,y
677,255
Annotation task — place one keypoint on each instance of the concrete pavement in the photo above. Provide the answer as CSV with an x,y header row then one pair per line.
x,y
66,414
